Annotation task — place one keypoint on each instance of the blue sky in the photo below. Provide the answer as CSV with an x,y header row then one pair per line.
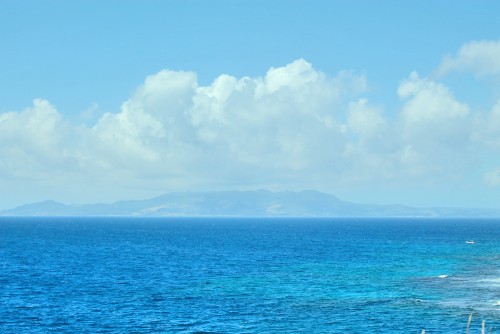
x,y
374,102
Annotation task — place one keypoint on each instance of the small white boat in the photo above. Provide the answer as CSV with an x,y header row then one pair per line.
x,y
470,242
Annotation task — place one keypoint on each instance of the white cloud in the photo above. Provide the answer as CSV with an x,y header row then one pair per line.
x,y
366,121
280,128
479,57
482,58
492,178
371,146
274,127
435,129
293,76
431,113
487,128
149,124
293,128
33,141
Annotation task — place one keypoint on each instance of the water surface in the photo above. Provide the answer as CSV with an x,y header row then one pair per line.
x,y
234,275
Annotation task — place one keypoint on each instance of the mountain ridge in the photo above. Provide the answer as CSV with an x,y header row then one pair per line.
x,y
306,203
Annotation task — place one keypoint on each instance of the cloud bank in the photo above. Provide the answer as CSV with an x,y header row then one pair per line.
x,y
293,128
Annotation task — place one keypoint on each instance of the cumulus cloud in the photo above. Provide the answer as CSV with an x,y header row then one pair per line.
x,y
367,122
292,128
431,113
33,141
281,123
435,128
479,57
482,58
371,144
283,128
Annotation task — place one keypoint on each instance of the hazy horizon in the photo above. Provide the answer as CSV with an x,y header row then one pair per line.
x,y
383,104
261,203
69,203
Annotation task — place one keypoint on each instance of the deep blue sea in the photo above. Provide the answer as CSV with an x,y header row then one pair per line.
x,y
234,275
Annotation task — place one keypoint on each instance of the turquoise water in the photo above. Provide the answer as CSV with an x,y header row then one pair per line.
x,y
136,275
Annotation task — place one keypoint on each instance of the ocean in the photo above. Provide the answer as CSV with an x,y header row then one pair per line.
x,y
248,275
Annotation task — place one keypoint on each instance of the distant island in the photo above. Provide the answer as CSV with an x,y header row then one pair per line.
x,y
260,203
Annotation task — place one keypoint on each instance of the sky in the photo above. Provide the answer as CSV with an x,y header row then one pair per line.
x,y
375,102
